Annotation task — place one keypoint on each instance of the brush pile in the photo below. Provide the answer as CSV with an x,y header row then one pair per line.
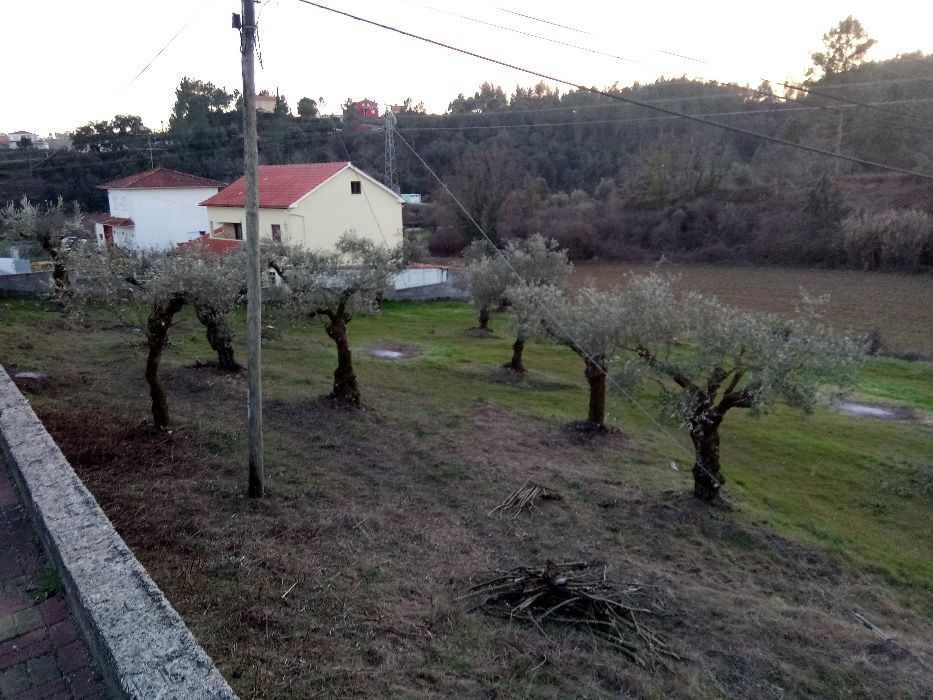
x,y
524,499
575,594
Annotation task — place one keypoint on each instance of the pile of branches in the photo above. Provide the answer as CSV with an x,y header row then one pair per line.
x,y
524,498
576,594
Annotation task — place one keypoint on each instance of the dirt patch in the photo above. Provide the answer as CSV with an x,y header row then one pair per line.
x,y
392,350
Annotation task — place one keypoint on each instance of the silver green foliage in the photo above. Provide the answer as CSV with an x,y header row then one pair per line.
x,y
351,279
39,226
710,356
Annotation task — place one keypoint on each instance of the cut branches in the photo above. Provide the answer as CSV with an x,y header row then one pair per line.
x,y
577,595
524,499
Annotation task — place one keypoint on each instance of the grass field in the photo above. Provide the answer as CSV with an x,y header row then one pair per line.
x,y
344,581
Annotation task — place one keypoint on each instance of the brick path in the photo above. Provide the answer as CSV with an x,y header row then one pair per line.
x,y
41,653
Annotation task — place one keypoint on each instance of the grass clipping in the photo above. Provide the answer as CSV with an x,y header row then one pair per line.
x,y
575,594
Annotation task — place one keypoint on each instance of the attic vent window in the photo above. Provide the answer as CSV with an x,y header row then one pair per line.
x,y
356,187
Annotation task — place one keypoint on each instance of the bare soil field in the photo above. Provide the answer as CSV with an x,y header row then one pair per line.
x,y
899,306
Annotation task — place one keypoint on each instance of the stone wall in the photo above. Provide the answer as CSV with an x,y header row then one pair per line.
x,y
141,645
27,284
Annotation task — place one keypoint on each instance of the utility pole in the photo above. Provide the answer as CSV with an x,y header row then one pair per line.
x,y
839,123
391,175
253,288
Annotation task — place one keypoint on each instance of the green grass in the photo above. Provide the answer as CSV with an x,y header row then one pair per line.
x,y
859,491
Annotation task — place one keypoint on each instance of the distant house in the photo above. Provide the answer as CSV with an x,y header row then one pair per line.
x,y
265,102
19,139
310,205
364,109
155,209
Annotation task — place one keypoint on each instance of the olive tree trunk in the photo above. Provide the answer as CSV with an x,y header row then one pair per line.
x,y
160,320
345,390
220,338
484,318
707,476
596,377
515,364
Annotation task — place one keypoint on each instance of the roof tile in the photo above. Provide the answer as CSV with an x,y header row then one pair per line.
x,y
160,178
280,186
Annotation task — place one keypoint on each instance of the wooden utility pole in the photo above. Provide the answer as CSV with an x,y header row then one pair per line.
x,y
253,288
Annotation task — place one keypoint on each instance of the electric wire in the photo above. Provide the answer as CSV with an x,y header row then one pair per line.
x,y
620,98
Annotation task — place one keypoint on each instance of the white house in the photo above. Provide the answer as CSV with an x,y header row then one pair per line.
x,y
310,205
15,140
156,209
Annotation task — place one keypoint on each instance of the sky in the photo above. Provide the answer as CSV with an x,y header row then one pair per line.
x,y
75,62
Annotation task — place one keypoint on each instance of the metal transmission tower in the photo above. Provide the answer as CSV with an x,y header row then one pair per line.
x,y
391,177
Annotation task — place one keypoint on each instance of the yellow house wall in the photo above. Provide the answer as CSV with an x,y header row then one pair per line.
x,y
318,220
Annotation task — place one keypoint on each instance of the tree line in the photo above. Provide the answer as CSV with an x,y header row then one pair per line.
x,y
606,179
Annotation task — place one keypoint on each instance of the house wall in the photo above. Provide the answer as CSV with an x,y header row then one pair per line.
x,y
318,220
163,218
331,210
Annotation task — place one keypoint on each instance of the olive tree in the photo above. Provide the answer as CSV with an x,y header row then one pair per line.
x,y
535,260
43,226
591,322
335,286
215,286
148,283
538,263
488,275
710,359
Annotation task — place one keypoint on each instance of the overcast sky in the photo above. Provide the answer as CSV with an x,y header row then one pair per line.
x,y
66,62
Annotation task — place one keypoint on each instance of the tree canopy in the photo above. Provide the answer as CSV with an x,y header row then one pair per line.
x,y
845,47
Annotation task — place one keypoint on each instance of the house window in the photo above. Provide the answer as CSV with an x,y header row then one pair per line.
x,y
276,233
238,231
356,187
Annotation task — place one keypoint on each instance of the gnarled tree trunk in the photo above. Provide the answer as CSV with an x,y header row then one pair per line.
x,y
707,477
596,376
515,364
345,389
160,320
484,318
220,339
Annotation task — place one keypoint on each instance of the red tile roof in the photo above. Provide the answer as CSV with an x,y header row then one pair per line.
x,y
280,186
114,221
160,178
207,246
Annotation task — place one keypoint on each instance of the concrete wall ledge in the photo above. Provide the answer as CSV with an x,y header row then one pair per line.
x,y
141,645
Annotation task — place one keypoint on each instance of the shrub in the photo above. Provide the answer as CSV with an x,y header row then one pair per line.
x,y
890,240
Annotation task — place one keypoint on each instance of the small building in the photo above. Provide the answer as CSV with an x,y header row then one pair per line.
x,y
20,139
155,209
310,205
265,102
364,109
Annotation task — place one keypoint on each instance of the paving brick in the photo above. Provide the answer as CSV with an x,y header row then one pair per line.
x,y
28,619
43,669
83,684
55,690
63,633
23,648
53,610
13,680
72,657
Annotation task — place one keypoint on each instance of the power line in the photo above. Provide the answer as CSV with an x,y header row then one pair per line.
x,y
790,86
664,110
167,44
664,430
736,113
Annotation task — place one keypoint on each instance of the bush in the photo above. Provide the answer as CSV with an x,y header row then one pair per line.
x,y
890,240
446,242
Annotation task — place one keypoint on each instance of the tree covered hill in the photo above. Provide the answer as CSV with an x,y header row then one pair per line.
x,y
606,177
